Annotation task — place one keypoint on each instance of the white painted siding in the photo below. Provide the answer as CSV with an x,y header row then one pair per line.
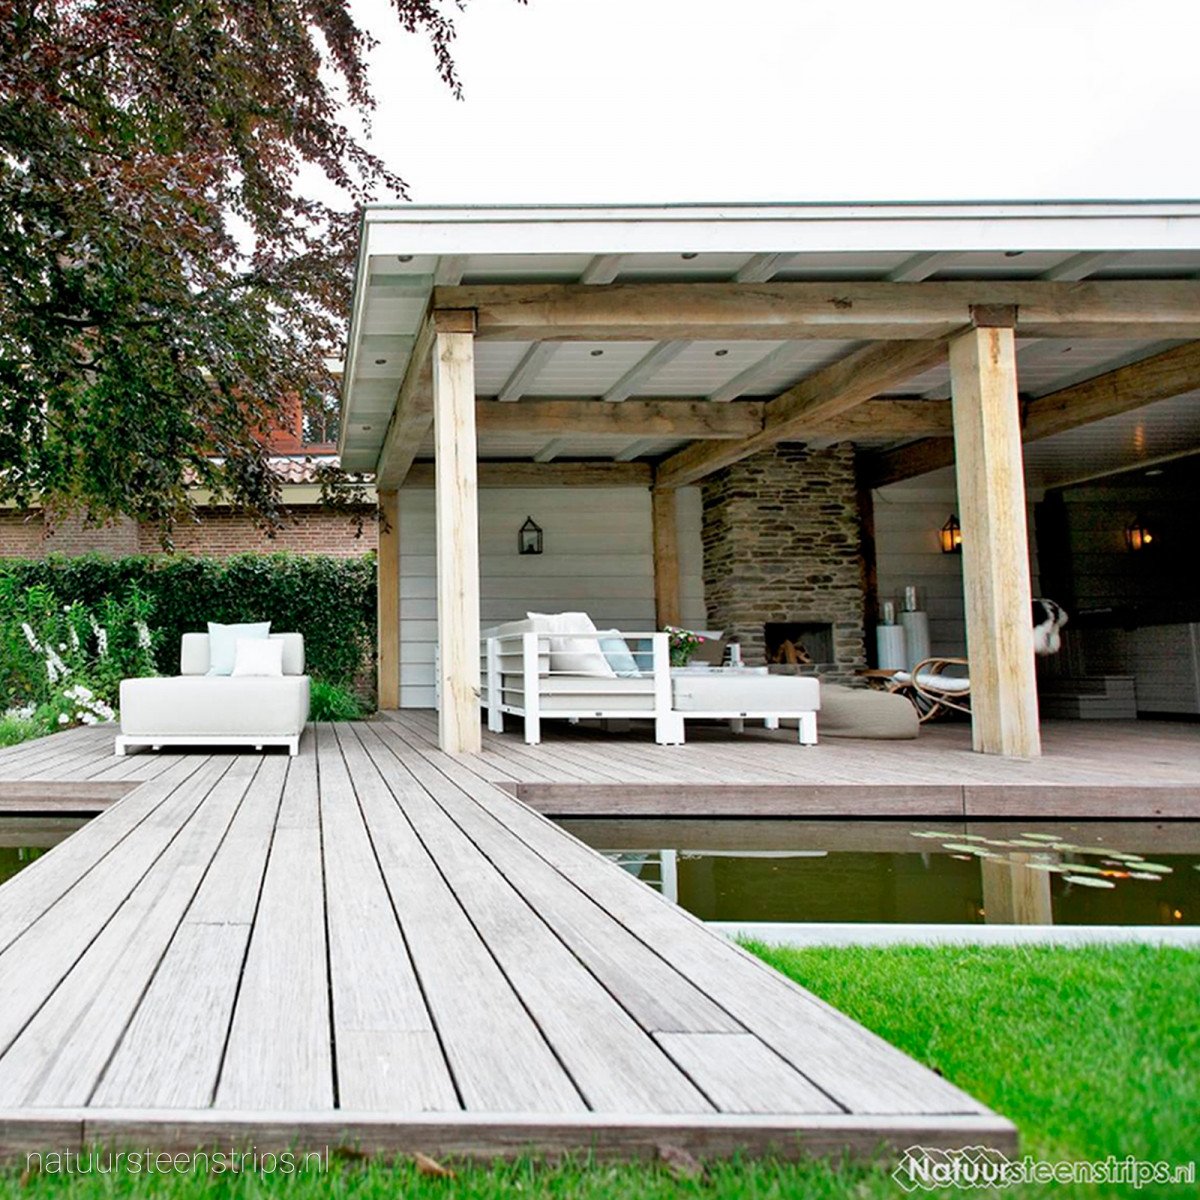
x,y
598,558
907,520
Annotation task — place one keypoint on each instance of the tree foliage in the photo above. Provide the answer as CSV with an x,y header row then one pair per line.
x,y
166,283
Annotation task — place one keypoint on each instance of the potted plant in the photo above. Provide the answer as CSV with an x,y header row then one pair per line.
x,y
683,644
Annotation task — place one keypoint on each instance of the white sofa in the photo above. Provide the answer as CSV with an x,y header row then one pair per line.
x,y
518,680
194,708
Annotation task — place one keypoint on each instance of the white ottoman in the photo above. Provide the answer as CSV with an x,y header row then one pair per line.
x,y
737,696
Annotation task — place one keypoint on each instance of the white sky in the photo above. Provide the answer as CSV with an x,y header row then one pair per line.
x,y
689,100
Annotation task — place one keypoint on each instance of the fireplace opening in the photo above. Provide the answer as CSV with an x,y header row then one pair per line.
x,y
798,643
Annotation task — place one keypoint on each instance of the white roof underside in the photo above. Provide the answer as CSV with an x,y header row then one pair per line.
x,y
405,251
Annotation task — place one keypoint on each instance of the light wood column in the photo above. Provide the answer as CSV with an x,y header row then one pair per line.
x,y
456,504
991,505
387,585
664,510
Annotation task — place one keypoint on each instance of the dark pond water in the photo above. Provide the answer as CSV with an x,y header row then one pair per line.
x,y
1064,873
25,839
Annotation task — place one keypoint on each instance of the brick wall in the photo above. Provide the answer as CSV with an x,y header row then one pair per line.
x,y
306,530
782,543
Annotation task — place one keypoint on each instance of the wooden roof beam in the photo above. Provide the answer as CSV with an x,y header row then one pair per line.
x,y
635,418
879,311
1159,377
825,395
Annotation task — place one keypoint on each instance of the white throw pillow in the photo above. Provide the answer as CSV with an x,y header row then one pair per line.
x,y
258,656
571,651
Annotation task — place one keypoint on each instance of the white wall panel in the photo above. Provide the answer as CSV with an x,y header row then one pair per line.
x,y
598,558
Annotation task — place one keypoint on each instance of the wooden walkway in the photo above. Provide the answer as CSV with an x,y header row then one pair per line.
x,y
372,945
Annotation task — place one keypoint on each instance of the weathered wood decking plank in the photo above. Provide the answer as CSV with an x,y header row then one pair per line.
x,y
278,1054
499,1058
186,1011
611,1059
82,1021
387,1051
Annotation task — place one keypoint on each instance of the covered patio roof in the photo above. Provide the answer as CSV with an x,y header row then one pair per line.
x,y
677,389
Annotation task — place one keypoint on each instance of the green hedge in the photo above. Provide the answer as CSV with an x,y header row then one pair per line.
x,y
329,600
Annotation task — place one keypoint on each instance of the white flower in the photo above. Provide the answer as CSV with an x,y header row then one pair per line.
x,y
74,639
30,637
88,718
63,647
143,635
63,719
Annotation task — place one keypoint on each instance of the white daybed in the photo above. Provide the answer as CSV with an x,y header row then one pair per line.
x,y
534,674
195,708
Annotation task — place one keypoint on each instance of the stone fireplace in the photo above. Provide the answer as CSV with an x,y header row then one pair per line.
x,y
800,643
782,549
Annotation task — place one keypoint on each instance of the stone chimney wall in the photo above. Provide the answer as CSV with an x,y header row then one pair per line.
x,y
782,542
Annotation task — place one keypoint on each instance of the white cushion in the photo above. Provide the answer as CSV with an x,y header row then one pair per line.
x,y
258,657
569,650
223,640
193,653
939,682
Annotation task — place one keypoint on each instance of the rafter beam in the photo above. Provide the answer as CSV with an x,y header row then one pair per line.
x,y
823,396
604,268
921,266
1080,266
761,267
634,418
449,270
412,417
845,309
742,382
643,369
493,474
1159,377
527,370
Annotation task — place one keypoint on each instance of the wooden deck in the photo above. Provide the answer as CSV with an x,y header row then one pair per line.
x,y
372,945
1089,769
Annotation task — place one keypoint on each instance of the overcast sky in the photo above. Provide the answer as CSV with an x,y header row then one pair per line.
x,y
673,100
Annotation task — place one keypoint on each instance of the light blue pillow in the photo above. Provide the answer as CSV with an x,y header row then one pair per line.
x,y
223,640
620,657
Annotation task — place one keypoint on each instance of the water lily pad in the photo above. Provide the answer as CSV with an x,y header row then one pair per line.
x,y
1084,869
961,847
1145,875
1042,837
1090,881
1056,868
1156,868
932,833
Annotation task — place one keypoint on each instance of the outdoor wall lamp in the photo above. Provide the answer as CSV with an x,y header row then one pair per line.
x,y
950,535
529,539
1138,536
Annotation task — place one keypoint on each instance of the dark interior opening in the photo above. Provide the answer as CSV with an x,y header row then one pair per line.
x,y
798,643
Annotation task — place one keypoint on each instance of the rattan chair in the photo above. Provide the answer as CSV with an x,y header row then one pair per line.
x,y
933,690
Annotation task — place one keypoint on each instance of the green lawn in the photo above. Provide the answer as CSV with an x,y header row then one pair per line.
x,y
1091,1051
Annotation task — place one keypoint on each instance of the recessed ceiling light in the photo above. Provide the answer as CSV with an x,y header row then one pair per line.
x,y
720,353
596,353
1155,471
690,254
365,428
379,362
405,257
1013,253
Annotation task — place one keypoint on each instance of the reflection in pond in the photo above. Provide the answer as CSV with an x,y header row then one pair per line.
x,y
25,839
1077,873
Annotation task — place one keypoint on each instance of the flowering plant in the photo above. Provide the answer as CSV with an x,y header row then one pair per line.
x,y
683,643
62,664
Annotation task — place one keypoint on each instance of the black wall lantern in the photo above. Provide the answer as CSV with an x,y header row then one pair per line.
x,y
529,540
950,535
1138,536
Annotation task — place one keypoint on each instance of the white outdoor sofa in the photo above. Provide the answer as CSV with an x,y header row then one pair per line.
x,y
518,680
194,708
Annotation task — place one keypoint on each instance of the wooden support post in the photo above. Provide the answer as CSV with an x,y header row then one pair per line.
x,y
387,583
667,609
991,503
456,503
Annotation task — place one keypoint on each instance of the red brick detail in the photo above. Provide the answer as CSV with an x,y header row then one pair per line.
x,y
306,529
